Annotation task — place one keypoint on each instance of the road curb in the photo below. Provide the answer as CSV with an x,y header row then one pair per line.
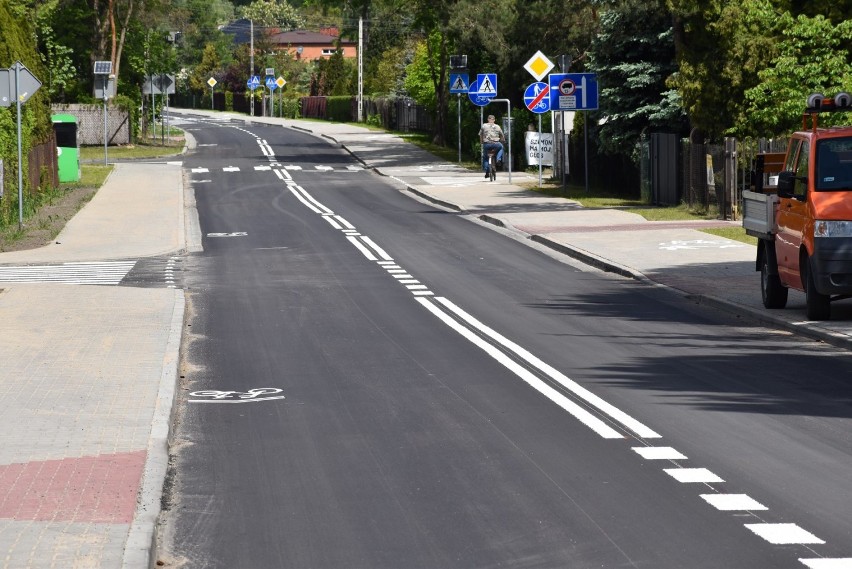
x,y
140,546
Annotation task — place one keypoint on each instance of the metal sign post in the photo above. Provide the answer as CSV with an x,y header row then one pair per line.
x,y
508,131
103,69
26,85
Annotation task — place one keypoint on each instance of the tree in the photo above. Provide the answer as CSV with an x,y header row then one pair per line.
x,y
273,13
811,58
633,56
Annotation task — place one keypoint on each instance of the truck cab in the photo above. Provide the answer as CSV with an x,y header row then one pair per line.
x,y
805,236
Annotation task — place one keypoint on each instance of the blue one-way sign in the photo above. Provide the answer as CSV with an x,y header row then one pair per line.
x,y
573,91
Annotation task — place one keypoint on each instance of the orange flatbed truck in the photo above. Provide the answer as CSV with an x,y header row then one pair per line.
x,y
804,224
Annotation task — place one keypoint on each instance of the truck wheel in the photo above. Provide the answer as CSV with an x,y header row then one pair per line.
x,y
773,292
818,306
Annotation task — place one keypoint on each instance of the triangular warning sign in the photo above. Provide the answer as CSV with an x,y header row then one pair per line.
x,y
459,84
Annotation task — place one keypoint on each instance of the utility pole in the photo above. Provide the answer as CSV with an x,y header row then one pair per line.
x,y
251,61
360,69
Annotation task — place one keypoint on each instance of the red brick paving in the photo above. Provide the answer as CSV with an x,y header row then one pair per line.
x,y
95,489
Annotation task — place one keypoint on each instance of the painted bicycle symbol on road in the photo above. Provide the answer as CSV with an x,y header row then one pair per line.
x,y
699,244
250,396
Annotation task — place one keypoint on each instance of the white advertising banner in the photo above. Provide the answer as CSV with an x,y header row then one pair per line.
x,y
539,148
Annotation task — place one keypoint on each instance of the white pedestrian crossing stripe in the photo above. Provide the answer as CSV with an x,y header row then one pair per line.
x,y
102,272
288,167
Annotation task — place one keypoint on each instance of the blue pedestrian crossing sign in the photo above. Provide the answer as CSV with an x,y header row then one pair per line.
x,y
573,91
270,83
253,82
487,85
537,98
475,97
459,82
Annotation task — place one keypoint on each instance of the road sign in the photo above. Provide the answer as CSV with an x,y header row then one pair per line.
x,y
6,95
573,91
280,82
538,66
537,97
459,82
487,85
164,83
475,97
270,71
270,83
27,84
253,82
212,82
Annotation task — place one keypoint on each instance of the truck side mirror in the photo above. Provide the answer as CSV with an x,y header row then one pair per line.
x,y
786,182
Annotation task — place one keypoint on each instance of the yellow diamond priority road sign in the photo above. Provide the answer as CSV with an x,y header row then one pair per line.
x,y
539,66
212,82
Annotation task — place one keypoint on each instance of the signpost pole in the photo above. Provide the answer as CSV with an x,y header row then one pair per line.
x,y
586,146
20,153
106,83
540,152
458,97
508,159
212,108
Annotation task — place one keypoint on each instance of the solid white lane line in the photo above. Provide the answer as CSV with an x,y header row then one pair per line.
x,y
302,199
659,453
344,223
381,252
360,246
689,475
828,563
581,414
733,502
784,534
314,201
332,222
569,384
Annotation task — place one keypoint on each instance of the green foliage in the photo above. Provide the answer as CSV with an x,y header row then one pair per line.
x,y
418,80
811,58
338,109
292,107
130,106
277,13
334,75
633,56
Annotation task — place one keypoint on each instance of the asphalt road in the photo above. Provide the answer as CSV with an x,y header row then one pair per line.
x,y
372,382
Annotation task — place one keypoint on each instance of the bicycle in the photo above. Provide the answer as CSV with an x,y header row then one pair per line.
x,y
492,164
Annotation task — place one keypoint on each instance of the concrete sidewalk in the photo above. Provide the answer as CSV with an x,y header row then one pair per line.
x,y
87,382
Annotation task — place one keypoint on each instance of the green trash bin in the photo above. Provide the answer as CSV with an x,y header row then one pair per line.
x,y
67,149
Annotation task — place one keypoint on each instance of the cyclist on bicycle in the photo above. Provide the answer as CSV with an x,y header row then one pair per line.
x,y
491,136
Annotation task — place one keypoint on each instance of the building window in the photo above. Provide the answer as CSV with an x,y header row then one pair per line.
x,y
330,51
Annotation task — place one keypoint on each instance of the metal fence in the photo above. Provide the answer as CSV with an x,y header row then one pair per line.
x,y
708,175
